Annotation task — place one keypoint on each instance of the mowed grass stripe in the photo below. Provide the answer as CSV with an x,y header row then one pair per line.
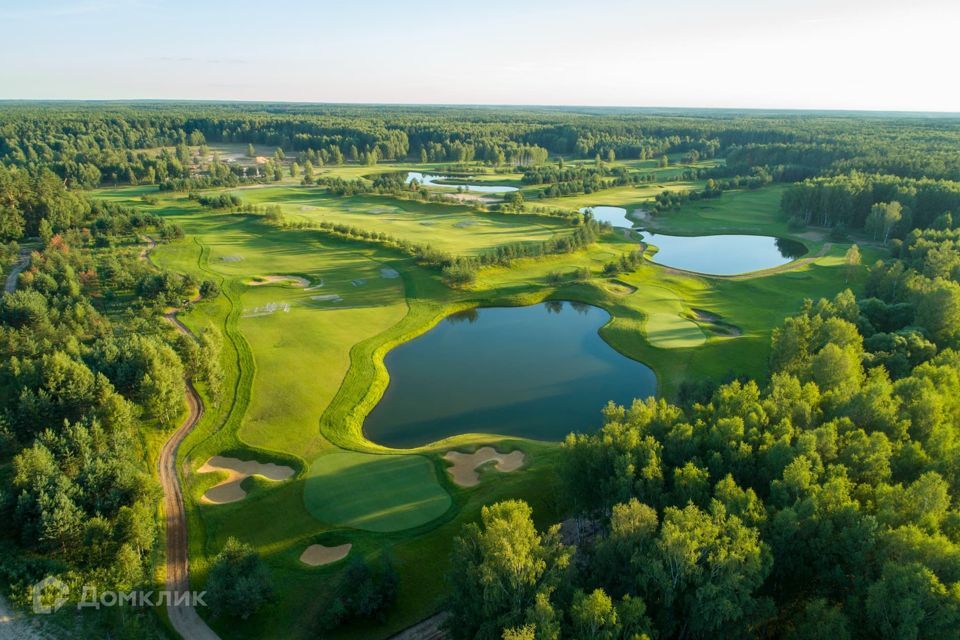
x,y
374,492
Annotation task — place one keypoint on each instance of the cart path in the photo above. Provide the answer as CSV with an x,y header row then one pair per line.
x,y
22,261
183,617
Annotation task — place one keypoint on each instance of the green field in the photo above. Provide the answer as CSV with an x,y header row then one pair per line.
x,y
449,228
304,364
400,492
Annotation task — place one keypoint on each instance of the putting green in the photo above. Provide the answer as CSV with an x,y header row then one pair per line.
x,y
374,492
670,331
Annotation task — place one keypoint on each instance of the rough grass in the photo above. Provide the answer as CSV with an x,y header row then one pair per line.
x,y
374,492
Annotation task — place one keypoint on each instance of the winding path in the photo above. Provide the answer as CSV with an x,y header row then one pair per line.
x,y
22,261
183,617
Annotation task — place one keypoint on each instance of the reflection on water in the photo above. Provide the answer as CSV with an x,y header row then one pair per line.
x,y
723,254
540,371
614,216
428,180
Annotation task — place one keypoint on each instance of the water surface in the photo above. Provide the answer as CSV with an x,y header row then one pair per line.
x,y
540,372
615,216
723,255
429,180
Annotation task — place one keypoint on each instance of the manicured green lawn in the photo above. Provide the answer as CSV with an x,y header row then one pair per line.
x,y
455,229
374,492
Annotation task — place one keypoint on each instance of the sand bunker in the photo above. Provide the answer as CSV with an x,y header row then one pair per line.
x,y
465,465
359,282
389,274
267,310
463,224
231,259
620,288
319,285
257,281
238,470
330,297
317,554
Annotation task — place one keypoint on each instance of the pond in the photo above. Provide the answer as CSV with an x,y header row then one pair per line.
x,y
723,255
448,182
539,371
614,216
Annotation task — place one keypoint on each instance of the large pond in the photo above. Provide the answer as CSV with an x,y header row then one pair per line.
x,y
449,182
614,216
723,255
539,372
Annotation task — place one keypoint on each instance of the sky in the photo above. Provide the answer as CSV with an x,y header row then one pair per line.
x,y
790,54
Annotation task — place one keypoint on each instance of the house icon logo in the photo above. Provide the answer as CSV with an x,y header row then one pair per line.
x,y
49,595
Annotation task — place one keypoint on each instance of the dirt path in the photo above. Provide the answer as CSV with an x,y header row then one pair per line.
x,y
184,618
18,267
14,625
429,629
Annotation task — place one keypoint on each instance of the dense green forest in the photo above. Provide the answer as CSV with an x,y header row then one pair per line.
x,y
88,374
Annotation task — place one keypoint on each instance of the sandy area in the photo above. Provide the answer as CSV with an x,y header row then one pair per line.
x,y
472,197
257,281
237,471
359,282
231,259
465,465
330,297
619,288
317,554
389,274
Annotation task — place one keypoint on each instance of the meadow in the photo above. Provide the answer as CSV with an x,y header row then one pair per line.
x,y
308,318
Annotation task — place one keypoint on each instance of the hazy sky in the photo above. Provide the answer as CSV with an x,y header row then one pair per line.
x,y
844,54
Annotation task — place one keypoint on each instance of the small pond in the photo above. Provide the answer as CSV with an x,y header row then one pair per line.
x,y
540,372
449,182
614,216
723,255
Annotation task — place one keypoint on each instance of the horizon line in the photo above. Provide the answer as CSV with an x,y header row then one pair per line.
x,y
504,105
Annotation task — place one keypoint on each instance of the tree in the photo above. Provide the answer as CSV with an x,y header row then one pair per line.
x,y
238,583
883,217
707,570
251,152
500,567
594,616
852,260
909,601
